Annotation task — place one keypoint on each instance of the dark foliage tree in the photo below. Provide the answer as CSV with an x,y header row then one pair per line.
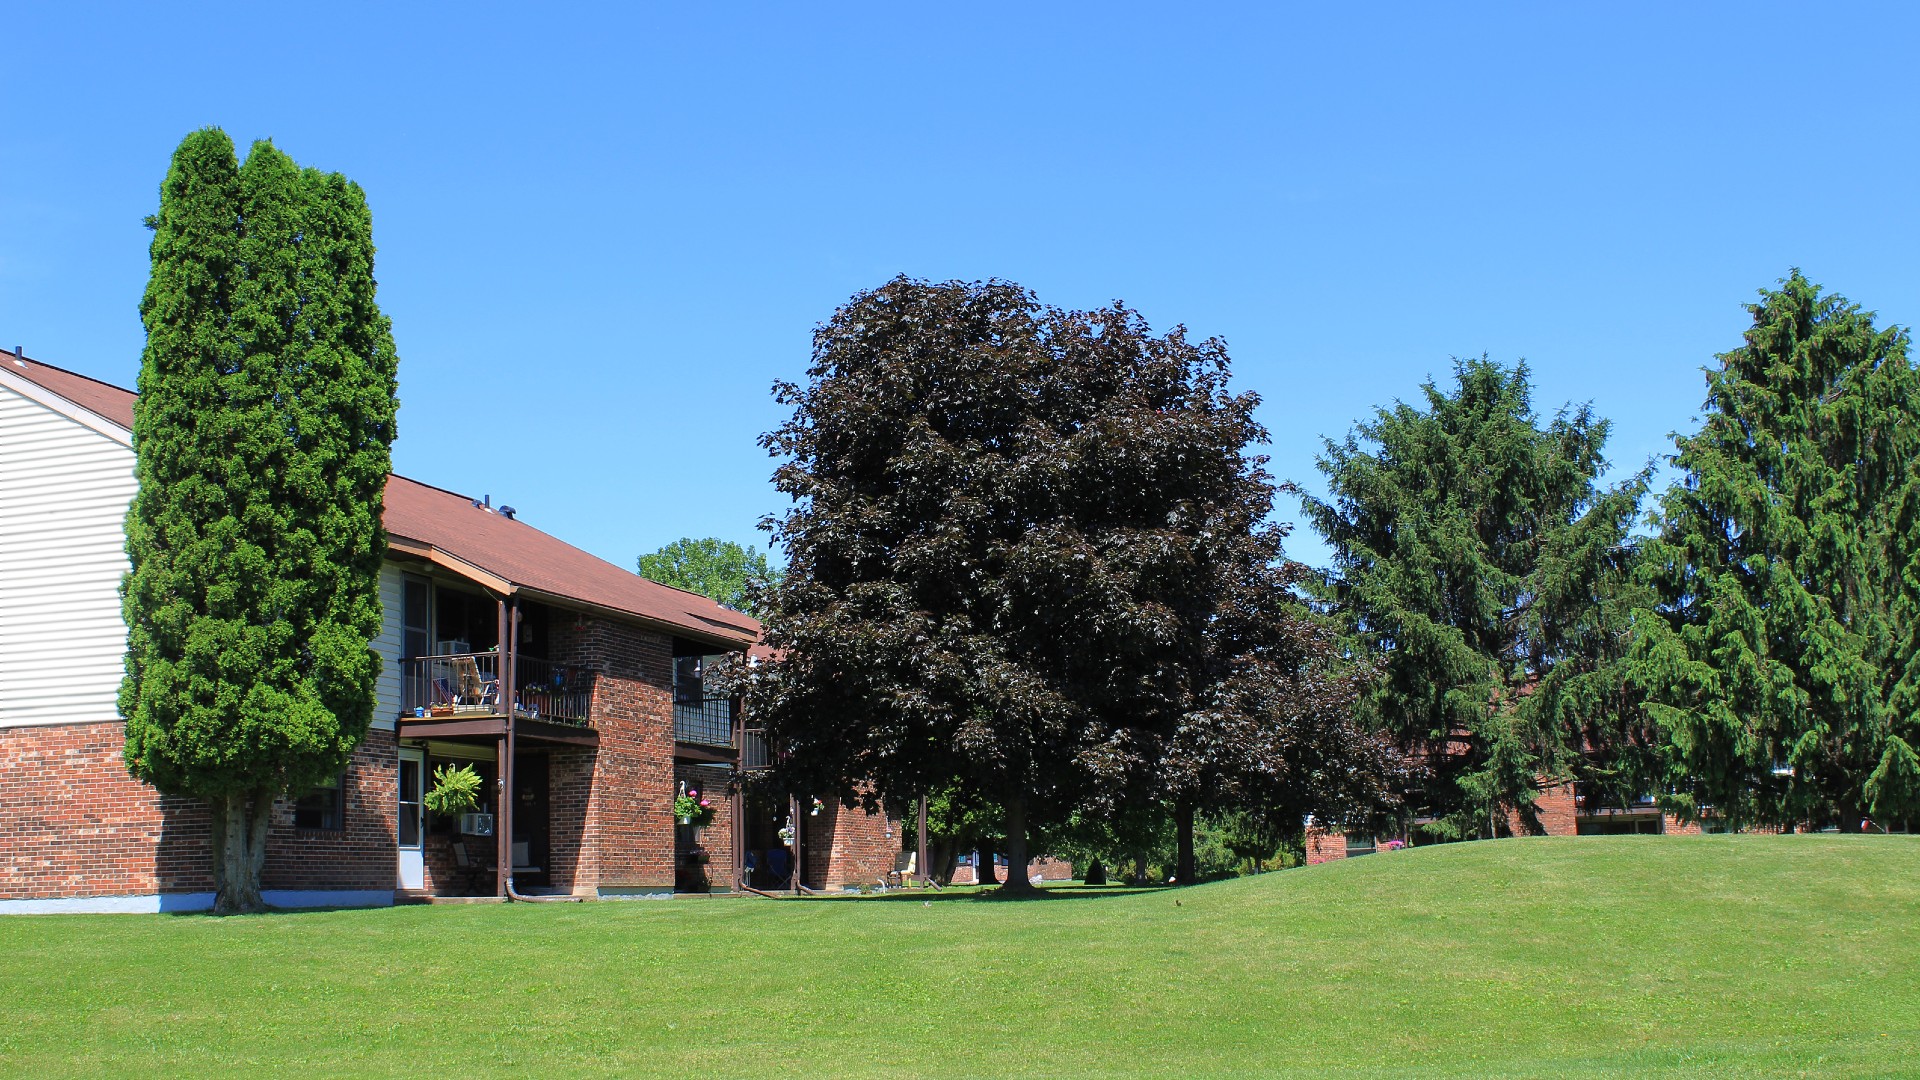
x,y
1478,565
1001,553
1781,659
720,570
261,436
1271,734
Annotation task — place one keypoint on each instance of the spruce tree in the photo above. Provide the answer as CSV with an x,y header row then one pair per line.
x,y
1476,563
1780,660
261,435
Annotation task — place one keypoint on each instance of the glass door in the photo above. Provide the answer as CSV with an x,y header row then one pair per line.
x,y
412,831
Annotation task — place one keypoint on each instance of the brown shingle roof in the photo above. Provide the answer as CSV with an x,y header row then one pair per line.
x,y
420,516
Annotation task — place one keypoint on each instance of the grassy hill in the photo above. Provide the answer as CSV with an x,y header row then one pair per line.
x,y
1630,956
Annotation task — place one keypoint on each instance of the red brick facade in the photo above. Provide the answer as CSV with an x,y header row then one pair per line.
x,y
625,804
1552,814
73,823
1324,846
1046,868
714,839
848,848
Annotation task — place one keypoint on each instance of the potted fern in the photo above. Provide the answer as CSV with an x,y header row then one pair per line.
x,y
455,791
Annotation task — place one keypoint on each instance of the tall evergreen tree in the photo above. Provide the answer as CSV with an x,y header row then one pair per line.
x,y
1780,660
1475,555
261,435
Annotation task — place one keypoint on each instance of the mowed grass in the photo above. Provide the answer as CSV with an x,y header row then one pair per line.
x,y
1629,956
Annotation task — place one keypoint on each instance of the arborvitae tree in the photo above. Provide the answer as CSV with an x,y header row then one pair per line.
x,y
1001,550
1781,659
720,570
1475,555
261,436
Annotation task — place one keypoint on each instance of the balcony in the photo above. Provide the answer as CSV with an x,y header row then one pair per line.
x,y
468,684
709,724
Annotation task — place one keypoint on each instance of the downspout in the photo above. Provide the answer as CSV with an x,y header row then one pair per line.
x,y
736,795
503,820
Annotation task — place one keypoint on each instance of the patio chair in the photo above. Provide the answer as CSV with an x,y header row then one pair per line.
x,y
779,868
903,869
477,873
474,690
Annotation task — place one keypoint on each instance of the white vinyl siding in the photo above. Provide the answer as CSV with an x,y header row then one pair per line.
x,y
393,608
64,492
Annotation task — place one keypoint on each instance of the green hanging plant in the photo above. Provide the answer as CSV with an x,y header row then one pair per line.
x,y
456,790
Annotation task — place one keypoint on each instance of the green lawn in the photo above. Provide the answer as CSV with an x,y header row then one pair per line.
x,y
1630,956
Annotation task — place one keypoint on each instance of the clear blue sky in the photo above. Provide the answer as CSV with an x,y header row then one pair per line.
x,y
604,232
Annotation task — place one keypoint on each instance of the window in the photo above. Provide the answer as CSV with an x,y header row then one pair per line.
x,y
1359,844
410,768
688,687
325,807
416,616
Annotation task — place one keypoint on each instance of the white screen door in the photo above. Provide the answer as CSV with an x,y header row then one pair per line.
x,y
413,863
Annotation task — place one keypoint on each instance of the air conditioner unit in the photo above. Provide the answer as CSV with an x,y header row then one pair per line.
x,y
476,824
451,648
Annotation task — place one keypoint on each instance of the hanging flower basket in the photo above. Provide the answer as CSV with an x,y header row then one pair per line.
x,y
692,808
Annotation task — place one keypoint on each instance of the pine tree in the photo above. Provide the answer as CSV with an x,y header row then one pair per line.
x,y
1781,659
1476,564
261,435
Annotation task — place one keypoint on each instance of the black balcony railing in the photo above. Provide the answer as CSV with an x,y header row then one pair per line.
x,y
468,684
708,722
753,750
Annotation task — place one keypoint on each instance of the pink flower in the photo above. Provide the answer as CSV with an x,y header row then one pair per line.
x,y
704,804
692,794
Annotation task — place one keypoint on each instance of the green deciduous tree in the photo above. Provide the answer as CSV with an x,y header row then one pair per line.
x,y
1002,549
1478,564
261,435
1780,660
720,570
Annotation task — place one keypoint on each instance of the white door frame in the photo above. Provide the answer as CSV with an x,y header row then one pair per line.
x,y
412,871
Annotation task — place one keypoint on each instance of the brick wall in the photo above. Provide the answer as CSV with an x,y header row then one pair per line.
x,y
74,823
626,801
1554,812
716,837
1324,845
363,853
575,862
1673,826
847,847
1046,867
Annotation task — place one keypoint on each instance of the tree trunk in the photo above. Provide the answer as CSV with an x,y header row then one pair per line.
x,y
240,824
984,871
1017,883
1183,831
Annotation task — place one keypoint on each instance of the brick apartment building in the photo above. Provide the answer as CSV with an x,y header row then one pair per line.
x,y
502,645
1560,809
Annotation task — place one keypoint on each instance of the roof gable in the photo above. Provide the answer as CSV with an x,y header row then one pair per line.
x,y
435,520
